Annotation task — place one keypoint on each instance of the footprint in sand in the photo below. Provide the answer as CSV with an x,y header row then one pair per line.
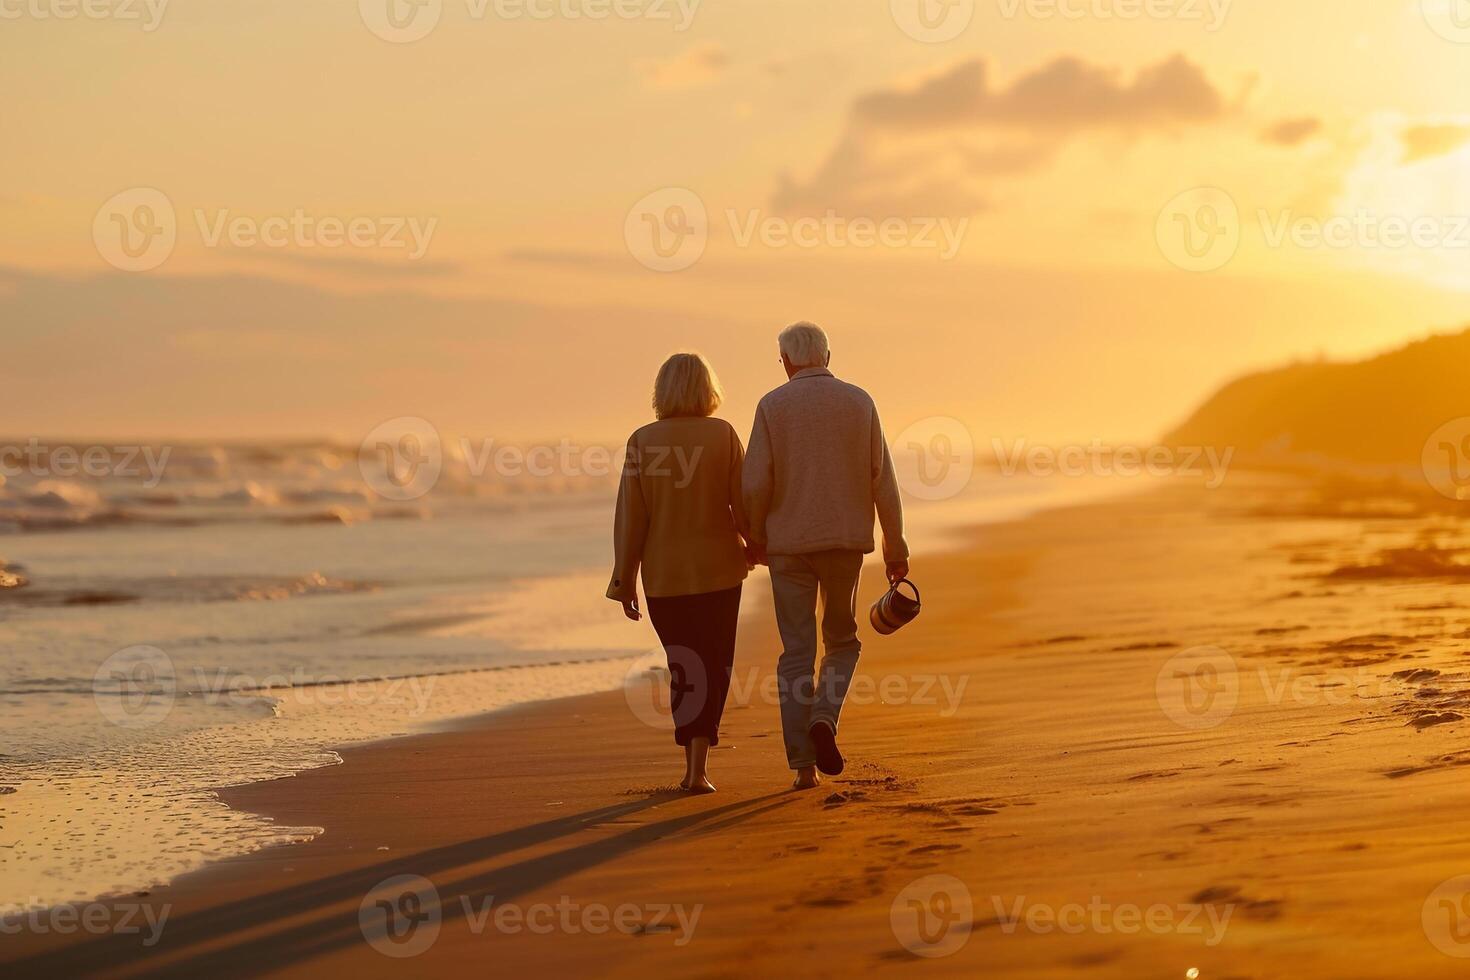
x,y
1448,761
1429,719
1259,910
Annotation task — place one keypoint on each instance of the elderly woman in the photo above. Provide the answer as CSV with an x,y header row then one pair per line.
x,y
679,518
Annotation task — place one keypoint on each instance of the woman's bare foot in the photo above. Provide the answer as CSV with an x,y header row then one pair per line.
x,y
688,768
807,778
696,756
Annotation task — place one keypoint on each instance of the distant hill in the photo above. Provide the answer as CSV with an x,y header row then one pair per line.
x,y
1378,411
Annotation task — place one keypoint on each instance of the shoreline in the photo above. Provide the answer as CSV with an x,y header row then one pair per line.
x,y
343,712
1304,831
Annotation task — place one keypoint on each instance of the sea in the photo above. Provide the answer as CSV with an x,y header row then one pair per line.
x,y
180,618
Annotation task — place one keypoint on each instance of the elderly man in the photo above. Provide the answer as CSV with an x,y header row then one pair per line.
x,y
816,471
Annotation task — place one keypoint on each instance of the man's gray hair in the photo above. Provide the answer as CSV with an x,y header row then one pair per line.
x,y
805,345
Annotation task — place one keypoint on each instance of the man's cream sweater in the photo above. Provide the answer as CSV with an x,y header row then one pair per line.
x,y
817,469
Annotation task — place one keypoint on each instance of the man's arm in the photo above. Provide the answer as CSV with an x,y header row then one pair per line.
x,y
758,481
889,504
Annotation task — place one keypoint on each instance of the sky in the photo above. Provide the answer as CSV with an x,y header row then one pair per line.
x,y
1053,219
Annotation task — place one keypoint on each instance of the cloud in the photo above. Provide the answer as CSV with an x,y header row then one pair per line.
x,y
858,181
1065,95
918,150
352,266
1291,132
1427,142
694,66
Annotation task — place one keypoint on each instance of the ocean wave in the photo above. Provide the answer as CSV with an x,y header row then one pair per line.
x,y
215,588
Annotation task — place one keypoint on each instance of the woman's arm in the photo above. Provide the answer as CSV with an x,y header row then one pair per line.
x,y
737,504
630,528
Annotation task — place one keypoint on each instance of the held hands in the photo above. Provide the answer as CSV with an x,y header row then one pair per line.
x,y
898,570
755,554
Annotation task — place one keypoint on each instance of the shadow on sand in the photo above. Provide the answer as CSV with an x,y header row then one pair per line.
x,y
321,916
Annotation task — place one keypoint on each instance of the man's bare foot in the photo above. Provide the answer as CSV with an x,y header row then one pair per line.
x,y
824,740
807,778
700,786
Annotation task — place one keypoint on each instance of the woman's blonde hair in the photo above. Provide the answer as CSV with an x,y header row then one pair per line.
x,y
686,386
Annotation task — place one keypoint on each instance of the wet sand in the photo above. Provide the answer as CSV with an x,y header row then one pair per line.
x,y
1217,731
